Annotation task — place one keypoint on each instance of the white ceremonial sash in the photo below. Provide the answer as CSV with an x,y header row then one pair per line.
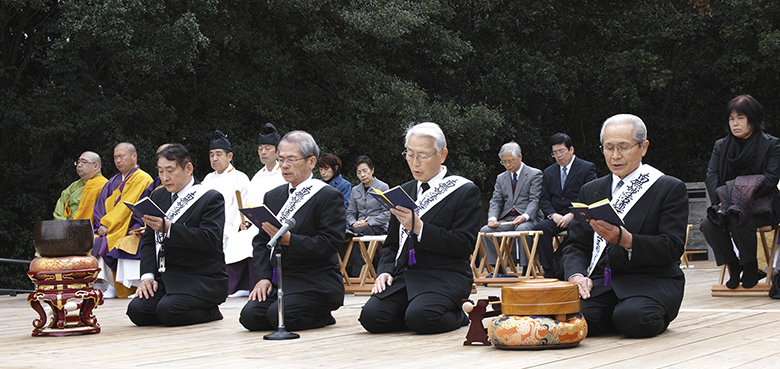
x,y
303,193
623,201
179,207
429,199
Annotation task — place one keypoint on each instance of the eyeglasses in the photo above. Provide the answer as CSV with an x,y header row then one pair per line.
x,y
83,162
624,149
288,161
507,162
420,157
558,152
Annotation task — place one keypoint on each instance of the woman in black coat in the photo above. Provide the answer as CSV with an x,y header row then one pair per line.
x,y
746,150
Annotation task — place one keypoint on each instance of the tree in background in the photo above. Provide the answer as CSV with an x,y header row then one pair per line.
x,y
84,75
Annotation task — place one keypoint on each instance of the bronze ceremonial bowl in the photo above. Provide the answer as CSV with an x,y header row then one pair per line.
x,y
55,238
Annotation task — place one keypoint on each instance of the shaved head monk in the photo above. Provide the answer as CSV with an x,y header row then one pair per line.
x,y
78,200
116,239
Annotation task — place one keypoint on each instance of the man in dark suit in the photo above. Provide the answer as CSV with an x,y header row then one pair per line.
x,y
515,202
635,284
424,268
560,187
183,277
313,287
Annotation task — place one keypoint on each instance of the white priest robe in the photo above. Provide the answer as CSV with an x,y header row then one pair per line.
x,y
263,181
227,183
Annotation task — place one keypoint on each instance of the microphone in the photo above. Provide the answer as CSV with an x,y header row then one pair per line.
x,y
289,223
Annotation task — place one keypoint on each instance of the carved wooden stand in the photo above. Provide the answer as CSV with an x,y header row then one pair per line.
x,y
477,334
56,288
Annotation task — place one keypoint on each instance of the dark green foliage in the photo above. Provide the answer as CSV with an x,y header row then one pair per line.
x,y
85,75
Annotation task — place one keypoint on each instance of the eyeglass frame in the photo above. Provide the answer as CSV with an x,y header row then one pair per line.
x,y
622,150
83,162
505,162
420,157
288,161
559,152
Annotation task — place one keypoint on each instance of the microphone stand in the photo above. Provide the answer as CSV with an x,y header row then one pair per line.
x,y
281,333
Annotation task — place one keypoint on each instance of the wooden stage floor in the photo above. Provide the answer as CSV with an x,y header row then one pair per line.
x,y
710,332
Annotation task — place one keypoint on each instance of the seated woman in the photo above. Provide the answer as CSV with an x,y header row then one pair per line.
x,y
746,151
330,171
365,215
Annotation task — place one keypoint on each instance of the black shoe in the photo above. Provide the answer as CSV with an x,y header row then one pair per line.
x,y
750,275
734,275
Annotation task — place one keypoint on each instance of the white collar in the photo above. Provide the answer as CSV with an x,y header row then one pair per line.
x,y
187,187
226,171
433,181
436,179
275,167
290,186
123,176
568,166
631,176
518,169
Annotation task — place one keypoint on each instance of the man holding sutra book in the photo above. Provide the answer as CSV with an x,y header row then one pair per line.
x,y
628,276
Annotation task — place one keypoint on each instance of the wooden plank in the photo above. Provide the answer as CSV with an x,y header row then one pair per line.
x,y
763,361
677,346
710,332
761,289
357,288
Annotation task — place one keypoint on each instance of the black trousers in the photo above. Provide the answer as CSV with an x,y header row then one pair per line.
x,y
301,311
426,313
720,241
545,247
367,231
635,317
171,309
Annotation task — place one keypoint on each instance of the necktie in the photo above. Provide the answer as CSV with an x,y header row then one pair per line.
x,y
292,189
425,186
514,181
620,184
174,197
563,177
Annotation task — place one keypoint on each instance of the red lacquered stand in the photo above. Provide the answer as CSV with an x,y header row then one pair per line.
x,y
56,288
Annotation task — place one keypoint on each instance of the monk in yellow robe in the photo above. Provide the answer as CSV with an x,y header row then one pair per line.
x,y
116,237
77,201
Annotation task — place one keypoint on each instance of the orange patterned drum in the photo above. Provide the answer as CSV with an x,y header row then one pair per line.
x,y
537,314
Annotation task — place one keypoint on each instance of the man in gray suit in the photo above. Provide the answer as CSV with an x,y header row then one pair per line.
x,y
515,200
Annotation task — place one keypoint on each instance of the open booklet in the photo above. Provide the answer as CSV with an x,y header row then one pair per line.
x,y
145,206
600,210
393,197
260,214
